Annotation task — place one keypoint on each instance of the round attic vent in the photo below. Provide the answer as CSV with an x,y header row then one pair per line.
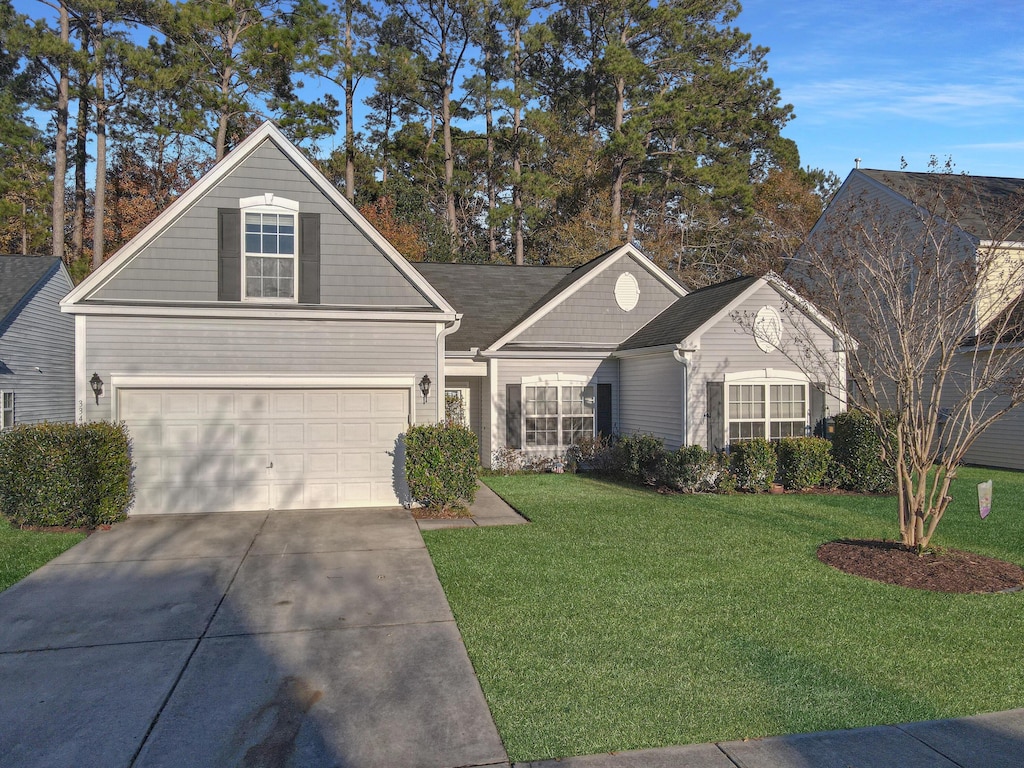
x,y
627,292
767,329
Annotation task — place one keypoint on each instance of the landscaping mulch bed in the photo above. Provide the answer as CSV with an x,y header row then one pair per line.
x,y
944,570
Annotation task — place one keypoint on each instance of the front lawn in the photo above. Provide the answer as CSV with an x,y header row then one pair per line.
x,y
624,619
21,552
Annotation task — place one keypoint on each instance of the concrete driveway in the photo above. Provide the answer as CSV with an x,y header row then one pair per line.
x,y
250,639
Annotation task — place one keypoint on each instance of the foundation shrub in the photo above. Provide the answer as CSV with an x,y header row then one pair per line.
x,y
857,449
754,463
441,465
75,475
804,462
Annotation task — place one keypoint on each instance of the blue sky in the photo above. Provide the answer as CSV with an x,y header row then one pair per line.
x,y
880,80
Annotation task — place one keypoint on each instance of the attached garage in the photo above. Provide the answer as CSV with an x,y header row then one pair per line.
x,y
233,449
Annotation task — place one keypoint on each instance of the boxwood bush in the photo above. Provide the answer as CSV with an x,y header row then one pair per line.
x,y
441,465
640,459
754,464
77,475
804,462
857,448
693,469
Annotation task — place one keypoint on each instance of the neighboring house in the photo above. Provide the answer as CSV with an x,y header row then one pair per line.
x,y
266,348
988,219
37,342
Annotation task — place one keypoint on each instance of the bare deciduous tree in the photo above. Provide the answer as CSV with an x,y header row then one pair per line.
x,y
930,310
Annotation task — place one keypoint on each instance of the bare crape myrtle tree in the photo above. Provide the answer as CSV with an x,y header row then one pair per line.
x,y
926,299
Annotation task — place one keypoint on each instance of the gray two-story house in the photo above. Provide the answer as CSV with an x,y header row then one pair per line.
x,y
267,348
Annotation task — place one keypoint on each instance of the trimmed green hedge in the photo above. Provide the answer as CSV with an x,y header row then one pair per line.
x,y
640,459
804,462
441,463
77,475
857,448
754,464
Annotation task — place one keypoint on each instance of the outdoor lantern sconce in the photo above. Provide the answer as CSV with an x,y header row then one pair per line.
x,y
97,386
425,387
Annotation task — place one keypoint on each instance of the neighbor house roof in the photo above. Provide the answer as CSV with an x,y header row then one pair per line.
x,y
491,297
18,276
688,314
988,207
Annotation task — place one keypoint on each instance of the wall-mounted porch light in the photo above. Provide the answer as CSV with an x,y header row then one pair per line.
x,y
97,386
425,387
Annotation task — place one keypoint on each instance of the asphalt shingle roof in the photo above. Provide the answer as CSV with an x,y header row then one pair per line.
x,y
18,275
988,207
687,314
491,297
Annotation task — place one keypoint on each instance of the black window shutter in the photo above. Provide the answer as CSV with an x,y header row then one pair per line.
x,y
604,409
513,416
817,408
716,416
309,258
229,254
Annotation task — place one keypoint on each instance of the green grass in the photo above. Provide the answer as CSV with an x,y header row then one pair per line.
x,y
623,619
21,552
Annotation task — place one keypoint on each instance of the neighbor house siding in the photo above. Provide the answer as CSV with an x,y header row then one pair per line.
x,y
651,398
513,371
591,315
37,355
1001,444
181,264
183,346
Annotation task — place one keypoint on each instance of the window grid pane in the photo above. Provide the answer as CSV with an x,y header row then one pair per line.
x,y
268,238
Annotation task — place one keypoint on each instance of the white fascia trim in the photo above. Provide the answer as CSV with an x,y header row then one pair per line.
x,y
789,294
245,381
81,386
461,368
692,342
569,290
261,313
233,159
553,355
646,351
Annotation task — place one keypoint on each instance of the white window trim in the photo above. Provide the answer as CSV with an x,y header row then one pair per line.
x,y
4,410
558,380
766,377
270,203
464,394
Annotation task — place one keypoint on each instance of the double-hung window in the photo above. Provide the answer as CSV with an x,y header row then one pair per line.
x,y
767,410
270,256
557,416
6,410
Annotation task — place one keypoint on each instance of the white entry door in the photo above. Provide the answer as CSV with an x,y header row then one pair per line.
x,y
208,450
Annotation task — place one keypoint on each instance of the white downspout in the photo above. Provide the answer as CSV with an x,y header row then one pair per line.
x,y
444,333
684,357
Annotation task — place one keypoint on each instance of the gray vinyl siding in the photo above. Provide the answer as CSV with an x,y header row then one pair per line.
x,y
1002,444
592,315
728,348
182,346
513,371
180,264
39,336
651,399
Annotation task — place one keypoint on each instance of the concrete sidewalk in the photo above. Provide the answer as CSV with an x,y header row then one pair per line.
x,y
291,638
993,740
488,509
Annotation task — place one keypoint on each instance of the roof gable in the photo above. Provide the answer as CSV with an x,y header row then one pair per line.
x,y
19,275
579,277
173,260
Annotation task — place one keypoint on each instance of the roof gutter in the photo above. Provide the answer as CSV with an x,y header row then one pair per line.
x,y
684,357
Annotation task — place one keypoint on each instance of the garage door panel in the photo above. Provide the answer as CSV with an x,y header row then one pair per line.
x,y
210,450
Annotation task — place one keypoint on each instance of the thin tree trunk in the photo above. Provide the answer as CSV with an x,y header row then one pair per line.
x,y
619,166
81,159
492,194
449,170
350,133
99,201
517,156
60,150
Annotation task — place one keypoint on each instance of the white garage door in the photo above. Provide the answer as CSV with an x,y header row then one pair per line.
x,y
220,449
